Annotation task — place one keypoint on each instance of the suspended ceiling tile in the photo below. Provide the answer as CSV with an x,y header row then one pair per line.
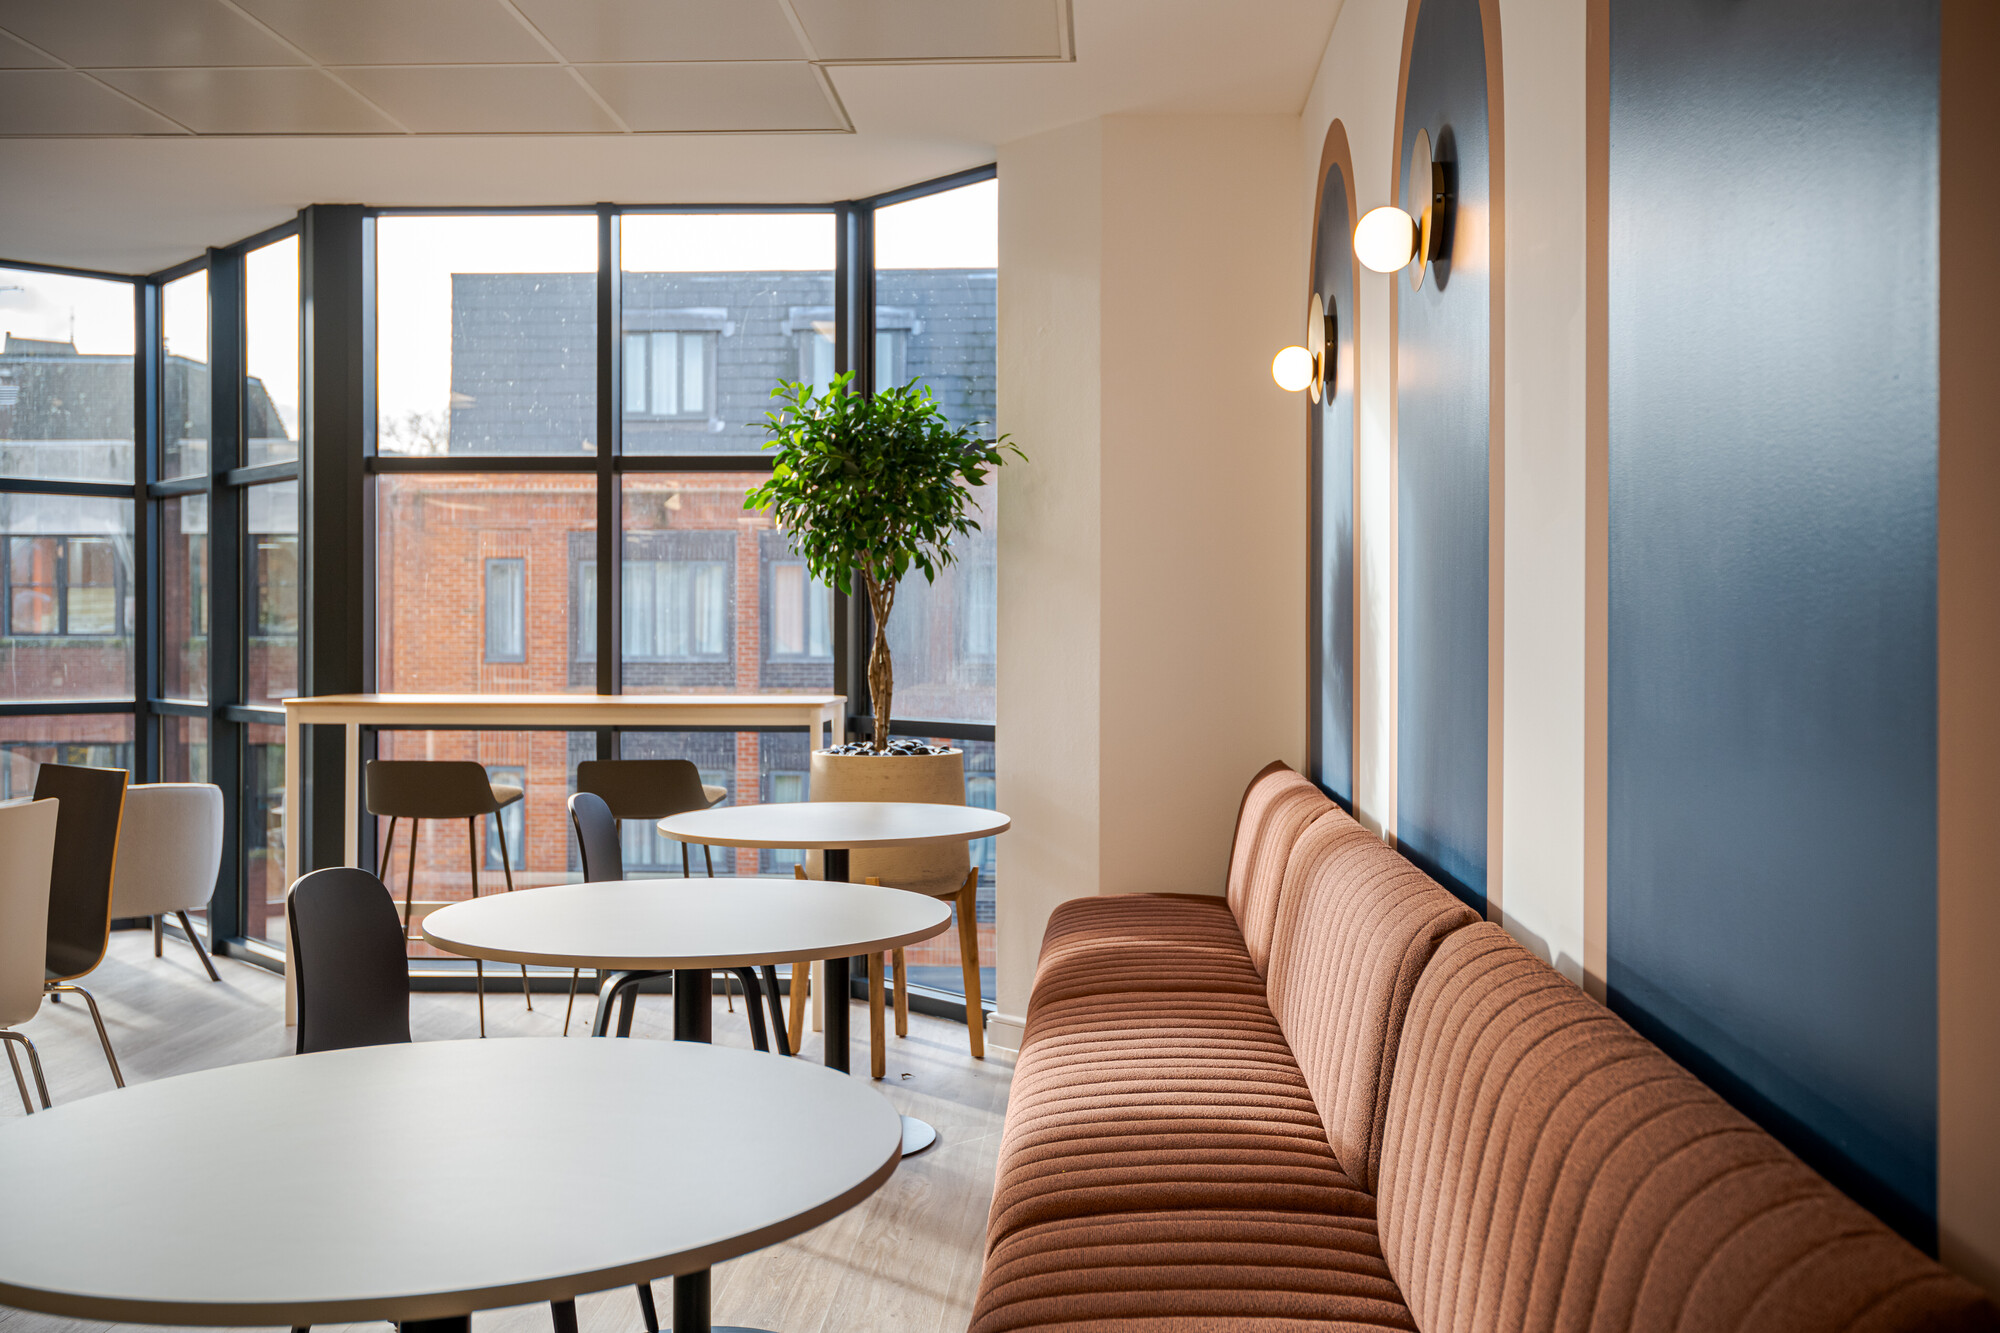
x,y
724,97
19,55
40,102
483,99
252,101
866,31
643,30
403,32
143,32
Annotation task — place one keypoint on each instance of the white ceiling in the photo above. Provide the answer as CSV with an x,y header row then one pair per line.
x,y
133,133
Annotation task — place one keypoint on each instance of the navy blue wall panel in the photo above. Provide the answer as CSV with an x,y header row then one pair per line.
x,y
1771,901
1332,442
1443,400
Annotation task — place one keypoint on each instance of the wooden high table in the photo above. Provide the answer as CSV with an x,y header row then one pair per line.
x,y
567,712
420,1182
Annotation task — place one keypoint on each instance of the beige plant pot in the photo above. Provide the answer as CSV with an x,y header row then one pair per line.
x,y
937,869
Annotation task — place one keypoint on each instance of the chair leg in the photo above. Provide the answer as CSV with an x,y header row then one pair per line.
x,y
507,868
801,984
103,1037
478,964
752,1006
195,940
707,860
34,1063
410,881
157,932
574,974
778,1033
646,1310
878,1055
902,995
968,961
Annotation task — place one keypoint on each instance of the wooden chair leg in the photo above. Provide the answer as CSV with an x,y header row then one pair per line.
x,y
968,961
410,883
878,1055
795,1028
902,997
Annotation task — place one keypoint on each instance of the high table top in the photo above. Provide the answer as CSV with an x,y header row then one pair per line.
x,y
426,1181
660,925
531,702
826,824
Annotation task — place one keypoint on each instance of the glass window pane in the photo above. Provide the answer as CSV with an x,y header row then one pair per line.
x,y
936,270
486,335
66,387
742,297
506,609
271,353
635,372
271,550
66,598
184,597
94,740
184,429
436,533
184,749
264,832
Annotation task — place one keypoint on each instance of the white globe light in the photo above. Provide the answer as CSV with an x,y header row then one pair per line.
x,y
1292,369
1386,239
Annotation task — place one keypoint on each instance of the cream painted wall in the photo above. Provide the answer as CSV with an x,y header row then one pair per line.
x,y
1542,776
1152,551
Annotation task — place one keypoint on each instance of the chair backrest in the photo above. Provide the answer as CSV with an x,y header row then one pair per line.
x,y
1277,806
428,789
643,788
169,848
86,851
596,837
348,961
27,853
1546,1169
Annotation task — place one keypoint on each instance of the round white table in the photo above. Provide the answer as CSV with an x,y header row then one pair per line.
x,y
836,828
634,929
359,1214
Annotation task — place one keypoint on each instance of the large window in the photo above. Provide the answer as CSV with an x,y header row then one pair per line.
x,y
66,608
66,385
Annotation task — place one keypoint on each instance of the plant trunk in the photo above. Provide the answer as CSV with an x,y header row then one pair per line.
x,y
881,671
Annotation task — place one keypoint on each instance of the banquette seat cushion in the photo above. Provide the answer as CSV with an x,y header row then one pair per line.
x,y
1333,1098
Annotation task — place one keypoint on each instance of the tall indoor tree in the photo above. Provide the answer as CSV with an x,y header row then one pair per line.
x,y
869,487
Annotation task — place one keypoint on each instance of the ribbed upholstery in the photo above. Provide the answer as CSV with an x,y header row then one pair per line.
x,y
1277,806
1356,926
1182,943
1198,1271
1546,1168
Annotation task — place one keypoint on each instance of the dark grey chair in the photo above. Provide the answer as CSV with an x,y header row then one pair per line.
x,y
597,839
86,853
420,789
353,978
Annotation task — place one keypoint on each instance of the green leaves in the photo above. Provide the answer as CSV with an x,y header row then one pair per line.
x,y
872,486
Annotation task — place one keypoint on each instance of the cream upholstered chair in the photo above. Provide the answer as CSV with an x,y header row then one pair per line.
x,y
27,854
169,852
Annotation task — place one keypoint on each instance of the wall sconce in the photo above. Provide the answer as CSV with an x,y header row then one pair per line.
x,y
1387,238
1310,367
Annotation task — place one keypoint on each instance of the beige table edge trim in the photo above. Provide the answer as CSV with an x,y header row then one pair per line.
x,y
443,1305
851,844
810,712
698,962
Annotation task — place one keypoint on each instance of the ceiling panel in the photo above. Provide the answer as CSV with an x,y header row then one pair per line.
x,y
252,101
19,55
625,30
143,32
872,30
483,99
403,32
719,97
56,101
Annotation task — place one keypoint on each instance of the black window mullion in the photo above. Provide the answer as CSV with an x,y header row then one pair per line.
x,y
145,575
610,442
225,566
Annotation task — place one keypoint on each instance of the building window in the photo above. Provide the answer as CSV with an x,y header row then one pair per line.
x,y
891,357
507,610
979,619
678,598
644,849
667,374
801,624
64,586
781,788
514,819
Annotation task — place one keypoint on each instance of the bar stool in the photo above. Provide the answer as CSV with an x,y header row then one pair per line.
x,y
420,789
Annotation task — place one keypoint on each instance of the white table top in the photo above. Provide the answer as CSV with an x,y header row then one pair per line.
x,y
658,925
425,1181
823,824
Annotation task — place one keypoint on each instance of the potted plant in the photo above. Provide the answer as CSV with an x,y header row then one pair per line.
x,y
869,490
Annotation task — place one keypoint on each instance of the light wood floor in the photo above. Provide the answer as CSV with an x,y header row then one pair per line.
x,y
906,1259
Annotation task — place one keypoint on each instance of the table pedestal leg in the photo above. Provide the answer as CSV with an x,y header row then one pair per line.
x,y
694,1006
917,1134
456,1324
